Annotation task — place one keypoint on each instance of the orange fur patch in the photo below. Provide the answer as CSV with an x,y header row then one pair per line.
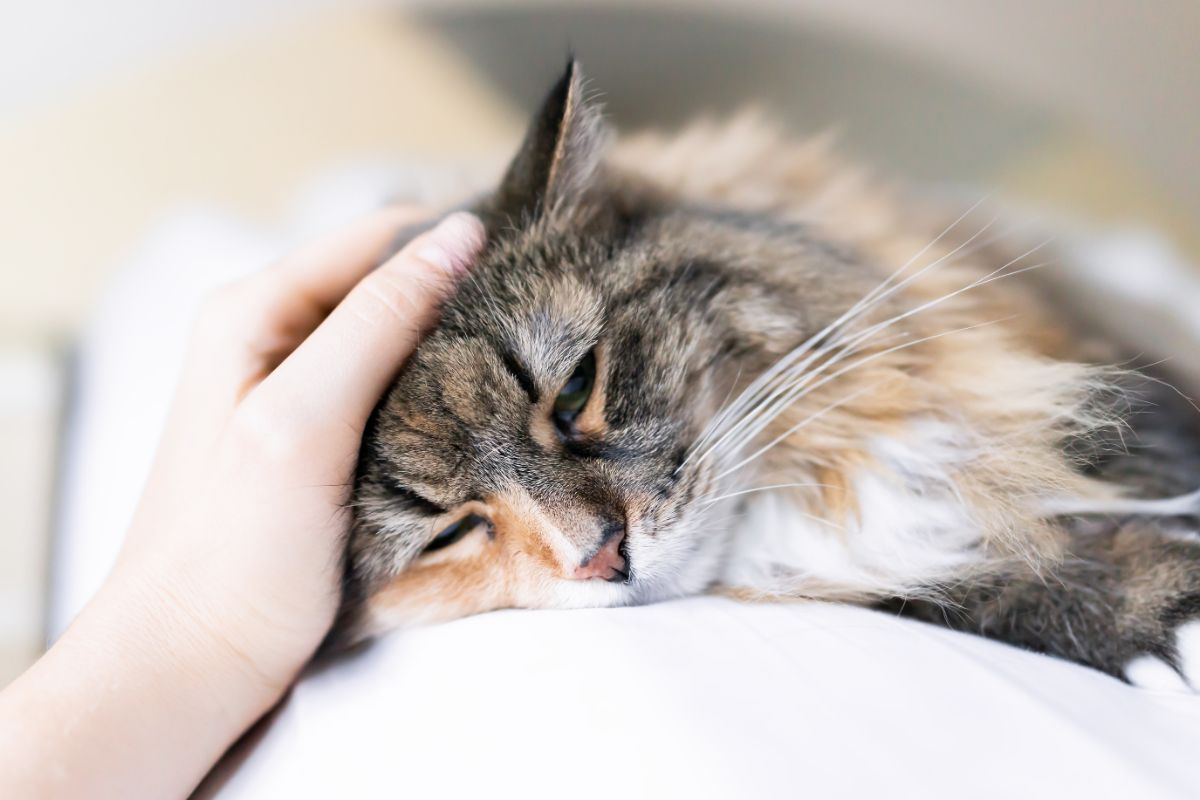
x,y
510,569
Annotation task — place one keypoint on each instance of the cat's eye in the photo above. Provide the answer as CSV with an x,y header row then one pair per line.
x,y
574,394
455,532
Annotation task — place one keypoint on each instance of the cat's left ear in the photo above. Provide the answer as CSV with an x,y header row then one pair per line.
x,y
560,155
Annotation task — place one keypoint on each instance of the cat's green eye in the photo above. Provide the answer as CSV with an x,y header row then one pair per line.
x,y
455,532
574,394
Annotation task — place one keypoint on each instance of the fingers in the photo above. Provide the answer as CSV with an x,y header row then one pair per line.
x,y
323,272
248,327
342,369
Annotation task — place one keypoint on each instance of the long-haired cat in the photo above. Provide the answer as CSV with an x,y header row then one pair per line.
x,y
723,362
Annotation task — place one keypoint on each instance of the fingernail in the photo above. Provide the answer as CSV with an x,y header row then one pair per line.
x,y
454,243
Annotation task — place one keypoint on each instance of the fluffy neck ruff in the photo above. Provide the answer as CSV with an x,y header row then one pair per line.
x,y
916,441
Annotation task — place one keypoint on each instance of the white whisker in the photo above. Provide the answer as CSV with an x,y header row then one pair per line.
x,y
873,357
774,398
807,420
789,394
763,380
710,500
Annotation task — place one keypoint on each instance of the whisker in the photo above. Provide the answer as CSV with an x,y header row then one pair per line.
x,y
789,395
813,517
763,380
873,357
903,267
763,415
807,420
795,511
855,311
710,500
706,433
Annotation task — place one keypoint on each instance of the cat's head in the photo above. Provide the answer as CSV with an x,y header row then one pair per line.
x,y
539,449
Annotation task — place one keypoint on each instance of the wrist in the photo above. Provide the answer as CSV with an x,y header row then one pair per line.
x,y
139,693
204,647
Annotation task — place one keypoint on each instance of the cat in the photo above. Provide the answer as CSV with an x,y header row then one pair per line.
x,y
722,361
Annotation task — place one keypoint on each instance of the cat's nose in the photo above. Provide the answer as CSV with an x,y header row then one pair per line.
x,y
607,561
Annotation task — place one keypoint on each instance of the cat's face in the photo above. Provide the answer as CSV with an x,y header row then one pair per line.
x,y
532,452
539,449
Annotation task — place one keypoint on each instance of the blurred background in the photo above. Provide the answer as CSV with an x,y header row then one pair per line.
x,y
119,119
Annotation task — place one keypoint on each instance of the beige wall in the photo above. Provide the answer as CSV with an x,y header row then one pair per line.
x,y
87,173
111,114
1129,71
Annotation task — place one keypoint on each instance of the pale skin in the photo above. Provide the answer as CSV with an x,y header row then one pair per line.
x,y
228,578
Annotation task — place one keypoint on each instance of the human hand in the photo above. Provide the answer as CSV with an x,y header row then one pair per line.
x,y
229,577
243,521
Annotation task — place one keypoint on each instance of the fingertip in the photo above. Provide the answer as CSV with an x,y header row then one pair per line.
x,y
453,244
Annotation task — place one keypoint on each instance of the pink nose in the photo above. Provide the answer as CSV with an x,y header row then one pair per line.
x,y
607,562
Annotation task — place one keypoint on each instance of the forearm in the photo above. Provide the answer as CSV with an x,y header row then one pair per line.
x,y
137,699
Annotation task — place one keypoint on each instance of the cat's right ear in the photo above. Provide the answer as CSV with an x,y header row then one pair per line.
x,y
560,155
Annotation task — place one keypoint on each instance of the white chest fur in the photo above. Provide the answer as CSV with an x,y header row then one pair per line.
x,y
912,527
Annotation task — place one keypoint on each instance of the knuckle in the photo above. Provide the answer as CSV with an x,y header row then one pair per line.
x,y
266,435
225,295
222,303
384,298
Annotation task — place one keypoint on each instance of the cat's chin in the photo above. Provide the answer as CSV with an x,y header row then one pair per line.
x,y
662,568
673,564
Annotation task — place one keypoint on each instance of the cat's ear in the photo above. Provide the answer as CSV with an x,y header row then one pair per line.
x,y
561,152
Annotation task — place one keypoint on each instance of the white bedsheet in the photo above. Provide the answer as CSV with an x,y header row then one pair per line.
x,y
711,698
698,698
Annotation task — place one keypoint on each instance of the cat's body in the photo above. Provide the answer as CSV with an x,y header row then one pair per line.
x,y
721,361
